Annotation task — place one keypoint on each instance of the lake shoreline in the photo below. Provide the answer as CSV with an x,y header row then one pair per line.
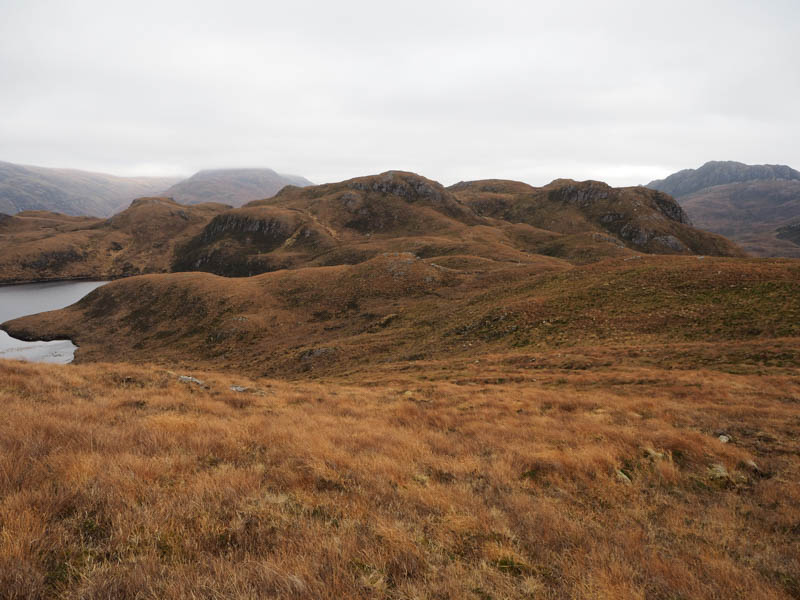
x,y
97,279
17,301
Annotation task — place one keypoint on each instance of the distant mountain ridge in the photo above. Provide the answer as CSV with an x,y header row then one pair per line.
x,y
754,205
475,226
70,191
714,173
83,193
232,186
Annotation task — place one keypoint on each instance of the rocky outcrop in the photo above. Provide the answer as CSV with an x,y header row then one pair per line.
x,y
252,240
642,219
409,187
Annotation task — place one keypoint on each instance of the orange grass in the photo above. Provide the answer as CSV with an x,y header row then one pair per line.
x,y
119,481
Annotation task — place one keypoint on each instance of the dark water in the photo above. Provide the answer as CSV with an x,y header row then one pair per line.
x,y
20,300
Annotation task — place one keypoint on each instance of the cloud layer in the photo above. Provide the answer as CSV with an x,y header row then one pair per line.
x,y
620,90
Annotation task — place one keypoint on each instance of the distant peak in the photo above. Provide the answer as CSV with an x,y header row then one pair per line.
x,y
233,186
715,172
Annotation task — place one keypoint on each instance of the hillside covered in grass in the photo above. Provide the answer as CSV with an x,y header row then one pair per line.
x,y
397,306
498,478
46,246
350,222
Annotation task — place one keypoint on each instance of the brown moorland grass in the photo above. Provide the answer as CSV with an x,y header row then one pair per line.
x,y
396,307
483,481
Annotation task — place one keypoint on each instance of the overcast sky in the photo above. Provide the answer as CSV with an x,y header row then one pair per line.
x,y
623,91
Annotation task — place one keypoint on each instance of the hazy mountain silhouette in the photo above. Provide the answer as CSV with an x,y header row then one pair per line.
x,y
751,204
70,191
232,186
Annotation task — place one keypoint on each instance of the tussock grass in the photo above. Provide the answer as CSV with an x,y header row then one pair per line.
x,y
120,481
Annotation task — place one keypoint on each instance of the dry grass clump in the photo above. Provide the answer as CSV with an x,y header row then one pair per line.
x,y
123,482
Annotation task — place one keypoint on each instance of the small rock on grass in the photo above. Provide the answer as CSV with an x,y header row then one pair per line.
x,y
621,476
718,471
654,454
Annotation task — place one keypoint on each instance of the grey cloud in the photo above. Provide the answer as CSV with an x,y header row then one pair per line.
x,y
620,90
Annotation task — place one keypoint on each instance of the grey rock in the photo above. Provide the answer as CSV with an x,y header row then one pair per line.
x,y
718,472
752,465
313,353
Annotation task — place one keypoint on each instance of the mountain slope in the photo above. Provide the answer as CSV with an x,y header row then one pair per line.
x,y
346,223
641,219
232,186
466,227
71,192
398,307
500,221
41,246
747,203
715,173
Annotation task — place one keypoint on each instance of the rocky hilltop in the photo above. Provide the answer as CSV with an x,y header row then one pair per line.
x,y
355,220
747,203
478,225
231,186
638,218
